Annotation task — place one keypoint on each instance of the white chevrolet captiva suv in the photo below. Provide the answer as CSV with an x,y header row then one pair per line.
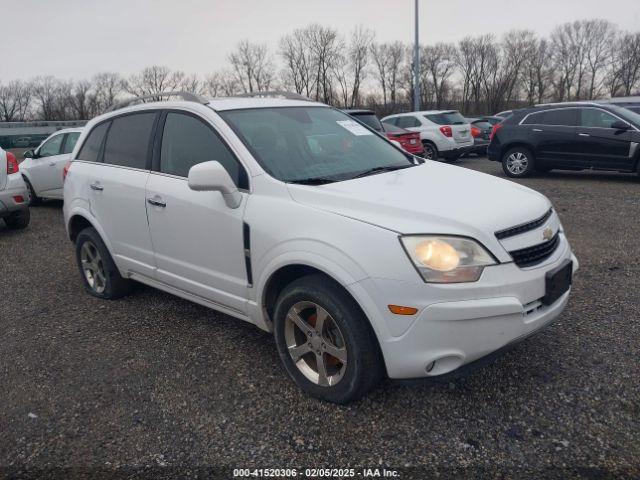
x,y
363,260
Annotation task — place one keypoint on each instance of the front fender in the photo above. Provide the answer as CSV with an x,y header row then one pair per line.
x,y
330,261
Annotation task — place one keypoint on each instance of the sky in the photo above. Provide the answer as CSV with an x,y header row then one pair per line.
x,y
78,38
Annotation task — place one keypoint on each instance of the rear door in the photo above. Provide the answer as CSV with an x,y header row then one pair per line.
x,y
602,146
198,239
553,135
116,190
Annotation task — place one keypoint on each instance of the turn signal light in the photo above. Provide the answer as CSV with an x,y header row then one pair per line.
x,y
400,310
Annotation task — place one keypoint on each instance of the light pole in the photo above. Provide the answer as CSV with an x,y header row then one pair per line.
x,y
416,67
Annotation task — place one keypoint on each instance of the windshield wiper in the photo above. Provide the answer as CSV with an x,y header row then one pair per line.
x,y
312,181
374,170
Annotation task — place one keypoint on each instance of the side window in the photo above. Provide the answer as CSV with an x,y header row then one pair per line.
x,y
128,140
408,122
596,118
51,147
563,117
91,146
187,141
533,119
70,143
392,121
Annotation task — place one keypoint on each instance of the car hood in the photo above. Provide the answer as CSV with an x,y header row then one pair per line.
x,y
429,198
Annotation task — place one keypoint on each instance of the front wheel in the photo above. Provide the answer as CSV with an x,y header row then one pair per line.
x,y
34,199
325,341
518,162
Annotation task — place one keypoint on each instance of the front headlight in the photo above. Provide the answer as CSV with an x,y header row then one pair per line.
x,y
442,259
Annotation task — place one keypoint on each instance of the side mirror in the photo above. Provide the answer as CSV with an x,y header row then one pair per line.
x,y
29,154
620,125
212,177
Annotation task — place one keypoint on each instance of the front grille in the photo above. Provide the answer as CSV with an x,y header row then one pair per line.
x,y
527,257
525,227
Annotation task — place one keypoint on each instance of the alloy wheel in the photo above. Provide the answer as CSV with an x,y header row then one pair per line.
x,y
92,267
315,343
517,163
429,152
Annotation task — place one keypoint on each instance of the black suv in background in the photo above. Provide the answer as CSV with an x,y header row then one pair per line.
x,y
567,136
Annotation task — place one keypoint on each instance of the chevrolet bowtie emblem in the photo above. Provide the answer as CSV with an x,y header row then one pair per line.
x,y
547,234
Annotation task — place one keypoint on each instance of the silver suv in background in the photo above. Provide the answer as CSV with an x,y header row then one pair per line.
x,y
14,196
444,133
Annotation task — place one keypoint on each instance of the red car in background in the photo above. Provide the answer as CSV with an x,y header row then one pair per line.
x,y
410,141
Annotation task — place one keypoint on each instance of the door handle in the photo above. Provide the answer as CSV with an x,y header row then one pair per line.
x,y
156,202
584,134
537,130
97,187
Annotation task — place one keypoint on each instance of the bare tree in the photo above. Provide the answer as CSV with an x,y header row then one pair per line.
x,y
438,64
389,61
108,86
253,66
152,81
298,72
536,74
624,76
15,98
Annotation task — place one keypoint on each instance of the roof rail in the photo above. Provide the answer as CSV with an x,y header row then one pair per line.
x,y
275,93
157,97
574,102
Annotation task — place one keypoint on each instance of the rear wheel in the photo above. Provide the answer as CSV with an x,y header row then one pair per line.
x,y
430,151
518,162
34,199
325,341
100,275
18,220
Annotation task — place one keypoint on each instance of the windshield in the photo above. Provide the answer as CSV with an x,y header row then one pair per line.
x,y
304,143
369,119
627,113
446,118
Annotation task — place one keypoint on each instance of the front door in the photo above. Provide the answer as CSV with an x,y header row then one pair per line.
x,y
602,146
197,238
43,167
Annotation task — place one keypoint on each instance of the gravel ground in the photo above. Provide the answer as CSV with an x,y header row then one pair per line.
x,y
152,385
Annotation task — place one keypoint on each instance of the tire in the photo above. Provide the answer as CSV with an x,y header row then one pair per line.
x,y
518,162
313,297
34,200
430,151
99,273
18,220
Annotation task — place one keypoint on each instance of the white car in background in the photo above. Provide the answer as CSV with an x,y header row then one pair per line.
x,y
291,215
14,197
42,168
444,133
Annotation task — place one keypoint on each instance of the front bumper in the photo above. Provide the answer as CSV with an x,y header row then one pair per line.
x,y
15,187
460,323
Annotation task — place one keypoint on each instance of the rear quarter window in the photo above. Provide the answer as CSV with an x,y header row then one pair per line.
x,y
446,118
90,150
129,140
